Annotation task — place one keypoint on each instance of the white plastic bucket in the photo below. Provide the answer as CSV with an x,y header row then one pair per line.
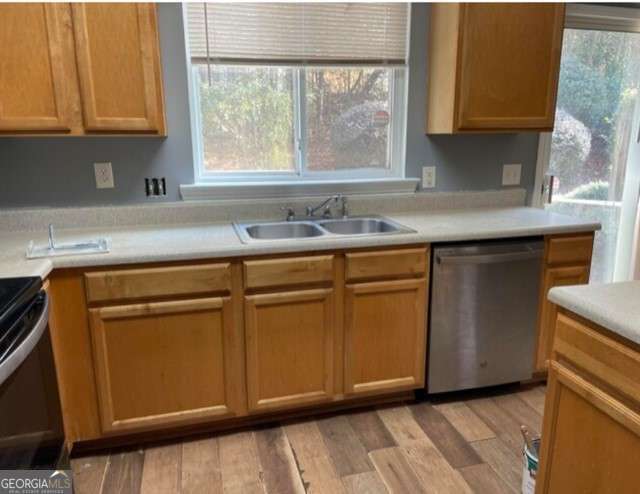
x,y
530,467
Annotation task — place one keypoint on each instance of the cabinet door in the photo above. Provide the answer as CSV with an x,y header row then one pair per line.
x,y
509,58
385,336
559,276
118,59
289,338
590,440
165,363
33,91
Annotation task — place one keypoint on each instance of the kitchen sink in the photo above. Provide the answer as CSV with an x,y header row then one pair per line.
x,y
358,226
283,230
318,227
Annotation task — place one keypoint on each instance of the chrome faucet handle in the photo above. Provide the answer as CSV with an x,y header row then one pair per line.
x,y
344,208
51,238
291,214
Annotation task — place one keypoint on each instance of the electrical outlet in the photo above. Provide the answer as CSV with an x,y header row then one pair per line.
x,y
104,175
155,186
511,174
428,177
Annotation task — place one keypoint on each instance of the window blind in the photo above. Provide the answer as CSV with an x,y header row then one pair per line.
x,y
298,33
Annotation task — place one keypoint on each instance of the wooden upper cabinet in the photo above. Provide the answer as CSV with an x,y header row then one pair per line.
x,y
80,69
493,67
118,59
35,42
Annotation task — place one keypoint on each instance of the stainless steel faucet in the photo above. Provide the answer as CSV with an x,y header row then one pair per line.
x,y
344,208
52,244
326,205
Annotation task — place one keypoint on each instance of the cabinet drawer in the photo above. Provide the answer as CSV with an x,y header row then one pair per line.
x,y
104,286
576,249
289,271
612,362
386,264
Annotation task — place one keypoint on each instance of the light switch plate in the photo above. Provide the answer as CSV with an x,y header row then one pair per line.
x,y
104,175
511,174
428,177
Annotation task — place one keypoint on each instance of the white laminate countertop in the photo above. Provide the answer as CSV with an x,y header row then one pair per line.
x,y
614,306
199,241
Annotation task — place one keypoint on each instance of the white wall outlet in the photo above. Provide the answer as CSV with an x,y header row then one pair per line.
x,y
428,177
511,174
104,175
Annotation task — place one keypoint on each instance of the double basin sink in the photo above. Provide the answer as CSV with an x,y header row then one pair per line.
x,y
319,227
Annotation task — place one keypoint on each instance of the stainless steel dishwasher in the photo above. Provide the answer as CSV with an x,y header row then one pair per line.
x,y
484,306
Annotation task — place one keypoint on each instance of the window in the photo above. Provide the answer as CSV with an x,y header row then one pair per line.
x,y
298,91
599,81
589,155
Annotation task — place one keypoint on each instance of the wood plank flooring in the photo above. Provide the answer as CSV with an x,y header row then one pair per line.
x,y
466,443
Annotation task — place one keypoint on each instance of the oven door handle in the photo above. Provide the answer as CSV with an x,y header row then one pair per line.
x,y
13,361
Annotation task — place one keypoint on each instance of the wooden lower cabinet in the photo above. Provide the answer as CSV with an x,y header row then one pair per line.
x,y
289,348
385,336
567,261
164,363
554,276
593,439
591,429
233,338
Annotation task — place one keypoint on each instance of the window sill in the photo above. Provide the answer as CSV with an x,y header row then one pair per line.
x,y
265,190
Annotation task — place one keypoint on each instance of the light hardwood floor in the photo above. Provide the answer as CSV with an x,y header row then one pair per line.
x,y
468,443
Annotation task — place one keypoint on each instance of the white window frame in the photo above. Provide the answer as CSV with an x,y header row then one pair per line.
x,y
580,16
396,147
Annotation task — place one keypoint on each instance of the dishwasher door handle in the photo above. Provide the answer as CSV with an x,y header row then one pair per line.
x,y
489,258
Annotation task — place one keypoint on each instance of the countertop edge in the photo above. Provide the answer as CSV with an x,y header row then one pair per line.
x,y
259,248
583,301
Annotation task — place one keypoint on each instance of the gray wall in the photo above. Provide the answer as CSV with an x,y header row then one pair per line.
x,y
59,171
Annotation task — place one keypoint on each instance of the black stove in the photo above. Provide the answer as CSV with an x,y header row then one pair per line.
x,y
15,293
34,439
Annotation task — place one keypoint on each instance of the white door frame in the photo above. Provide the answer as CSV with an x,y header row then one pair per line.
x,y
581,16
627,229
539,194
